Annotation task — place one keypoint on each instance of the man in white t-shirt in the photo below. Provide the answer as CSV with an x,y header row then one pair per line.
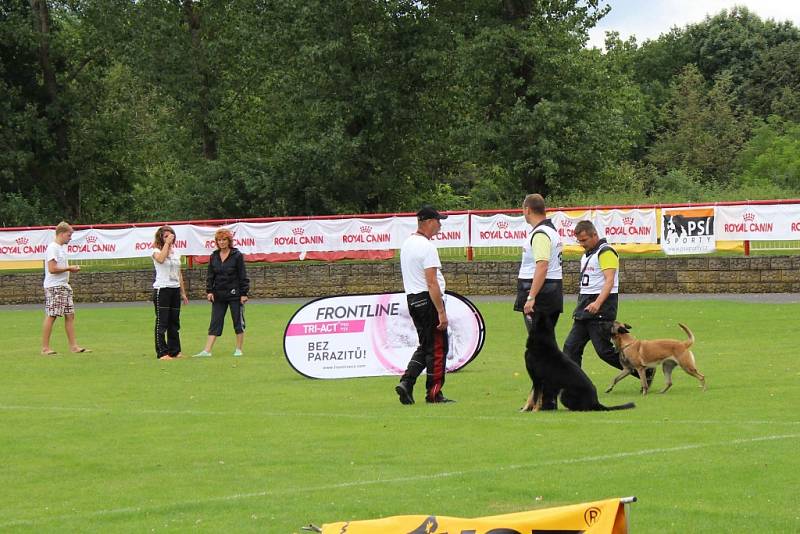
x,y
57,291
424,287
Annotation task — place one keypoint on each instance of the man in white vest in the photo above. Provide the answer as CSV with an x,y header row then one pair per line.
x,y
542,301
598,299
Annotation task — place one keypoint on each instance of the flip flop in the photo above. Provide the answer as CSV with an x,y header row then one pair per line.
x,y
48,353
81,350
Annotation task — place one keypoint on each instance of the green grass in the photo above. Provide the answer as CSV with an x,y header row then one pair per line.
x,y
116,441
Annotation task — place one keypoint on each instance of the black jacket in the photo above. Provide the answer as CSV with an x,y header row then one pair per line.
x,y
228,278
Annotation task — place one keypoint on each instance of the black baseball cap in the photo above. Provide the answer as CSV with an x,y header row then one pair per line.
x,y
428,212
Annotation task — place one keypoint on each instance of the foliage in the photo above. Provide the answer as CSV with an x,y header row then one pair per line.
x,y
772,156
167,110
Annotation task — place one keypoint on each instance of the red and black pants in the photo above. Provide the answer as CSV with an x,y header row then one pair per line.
x,y
431,354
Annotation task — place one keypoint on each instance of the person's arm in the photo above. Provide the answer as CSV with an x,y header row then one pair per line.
x,y
53,268
244,282
210,274
608,283
436,296
539,276
161,255
184,297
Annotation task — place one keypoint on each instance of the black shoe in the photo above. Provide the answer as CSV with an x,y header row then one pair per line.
x,y
439,399
404,392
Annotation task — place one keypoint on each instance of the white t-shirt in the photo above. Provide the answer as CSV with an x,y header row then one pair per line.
x,y
168,273
417,254
59,253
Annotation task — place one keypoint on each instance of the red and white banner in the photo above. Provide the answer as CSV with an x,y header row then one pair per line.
x,y
627,226
759,222
565,224
25,245
372,335
498,230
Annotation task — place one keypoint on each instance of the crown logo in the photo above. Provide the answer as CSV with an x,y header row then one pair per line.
x,y
566,223
91,239
749,217
627,220
298,231
502,224
22,241
366,229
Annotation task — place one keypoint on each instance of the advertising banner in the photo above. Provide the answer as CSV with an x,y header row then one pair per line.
x,y
688,230
627,226
760,222
565,224
352,336
25,244
599,517
499,230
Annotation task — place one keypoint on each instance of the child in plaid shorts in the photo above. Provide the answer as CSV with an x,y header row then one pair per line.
x,y
57,291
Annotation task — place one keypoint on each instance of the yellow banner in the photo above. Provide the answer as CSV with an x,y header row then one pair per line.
x,y
600,517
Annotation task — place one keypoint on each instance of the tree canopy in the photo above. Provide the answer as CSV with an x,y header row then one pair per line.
x,y
114,111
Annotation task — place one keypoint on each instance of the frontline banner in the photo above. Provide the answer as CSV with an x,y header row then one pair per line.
x,y
600,517
372,335
779,222
688,230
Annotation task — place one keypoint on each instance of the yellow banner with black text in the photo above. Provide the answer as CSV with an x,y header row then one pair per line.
x,y
600,517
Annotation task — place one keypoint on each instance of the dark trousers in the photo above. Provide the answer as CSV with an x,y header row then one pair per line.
x,y
541,333
431,354
218,309
597,331
167,302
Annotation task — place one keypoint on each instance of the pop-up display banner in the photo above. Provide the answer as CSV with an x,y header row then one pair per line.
x,y
352,336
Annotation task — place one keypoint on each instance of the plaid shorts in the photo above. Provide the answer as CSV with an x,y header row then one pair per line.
x,y
58,301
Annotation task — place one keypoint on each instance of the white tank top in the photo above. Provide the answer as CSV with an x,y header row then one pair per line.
x,y
592,279
554,271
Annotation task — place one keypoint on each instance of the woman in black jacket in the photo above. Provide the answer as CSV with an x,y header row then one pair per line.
x,y
227,286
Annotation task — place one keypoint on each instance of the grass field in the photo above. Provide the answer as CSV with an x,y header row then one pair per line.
x,y
116,441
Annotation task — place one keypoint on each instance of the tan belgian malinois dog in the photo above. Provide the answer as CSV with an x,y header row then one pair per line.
x,y
641,354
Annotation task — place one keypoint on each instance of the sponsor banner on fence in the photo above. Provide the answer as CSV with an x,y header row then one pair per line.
x,y
778,222
627,226
372,335
688,230
499,230
599,517
565,222
25,245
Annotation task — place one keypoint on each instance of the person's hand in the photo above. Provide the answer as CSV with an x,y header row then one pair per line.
x,y
243,299
185,298
74,268
592,308
528,308
169,239
442,321
210,297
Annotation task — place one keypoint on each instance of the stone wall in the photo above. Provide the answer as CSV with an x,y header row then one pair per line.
x,y
775,274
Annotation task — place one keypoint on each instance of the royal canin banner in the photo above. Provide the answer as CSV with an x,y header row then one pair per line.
x,y
313,235
627,226
372,335
759,222
498,230
600,517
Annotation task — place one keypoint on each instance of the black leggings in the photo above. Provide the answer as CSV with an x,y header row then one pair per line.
x,y
218,309
167,302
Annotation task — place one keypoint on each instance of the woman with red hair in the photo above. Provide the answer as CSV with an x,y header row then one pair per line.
x,y
227,286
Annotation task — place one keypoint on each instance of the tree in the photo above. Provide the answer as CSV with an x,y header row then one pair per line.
x,y
702,129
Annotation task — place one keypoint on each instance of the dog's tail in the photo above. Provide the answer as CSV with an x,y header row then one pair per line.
x,y
626,406
689,342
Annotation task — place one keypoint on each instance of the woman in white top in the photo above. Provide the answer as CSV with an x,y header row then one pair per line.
x,y
168,292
